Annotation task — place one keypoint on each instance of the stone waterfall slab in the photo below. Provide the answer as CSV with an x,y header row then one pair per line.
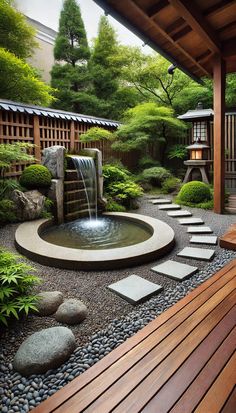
x,y
135,289
175,270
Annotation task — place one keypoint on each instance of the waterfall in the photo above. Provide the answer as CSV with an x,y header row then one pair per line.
x,y
85,167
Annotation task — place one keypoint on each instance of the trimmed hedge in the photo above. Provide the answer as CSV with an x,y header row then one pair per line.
x,y
36,176
195,194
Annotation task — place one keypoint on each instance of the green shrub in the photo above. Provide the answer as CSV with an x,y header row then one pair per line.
x,y
7,211
16,279
113,206
170,185
7,186
96,134
178,151
147,162
119,188
35,176
156,175
196,194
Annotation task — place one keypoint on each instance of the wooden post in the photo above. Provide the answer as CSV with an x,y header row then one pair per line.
x,y
37,149
72,135
219,134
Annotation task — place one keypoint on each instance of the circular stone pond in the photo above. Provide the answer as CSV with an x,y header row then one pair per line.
x,y
116,240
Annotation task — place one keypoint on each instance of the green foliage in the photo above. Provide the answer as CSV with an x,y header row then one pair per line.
x,y
35,176
96,134
20,82
7,186
16,279
70,75
147,162
120,188
16,35
113,206
178,151
156,175
7,211
145,124
170,185
48,208
15,152
196,194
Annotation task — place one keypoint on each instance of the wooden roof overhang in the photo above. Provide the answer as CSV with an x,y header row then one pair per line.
x,y
199,37
188,33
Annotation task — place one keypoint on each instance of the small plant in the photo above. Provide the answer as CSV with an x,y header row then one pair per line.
x,y
48,207
156,175
147,162
14,152
170,185
36,176
113,206
96,134
7,211
114,173
178,151
196,194
16,279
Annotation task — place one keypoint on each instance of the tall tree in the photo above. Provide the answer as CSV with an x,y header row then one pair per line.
x,y
70,75
18,80
112,95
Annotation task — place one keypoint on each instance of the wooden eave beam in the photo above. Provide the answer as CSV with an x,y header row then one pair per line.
x,y
195,19
218,7
154,10
132,4
229,48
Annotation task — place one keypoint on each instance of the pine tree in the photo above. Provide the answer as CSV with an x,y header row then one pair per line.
x,y
70,75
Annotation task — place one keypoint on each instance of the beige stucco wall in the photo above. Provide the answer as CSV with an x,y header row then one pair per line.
x,y
43,59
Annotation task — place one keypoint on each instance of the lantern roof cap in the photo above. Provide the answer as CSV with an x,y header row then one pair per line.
x,y
196,114
198,146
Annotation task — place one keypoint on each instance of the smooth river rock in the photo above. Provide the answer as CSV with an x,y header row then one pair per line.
x,y
49,302
47,349
72,311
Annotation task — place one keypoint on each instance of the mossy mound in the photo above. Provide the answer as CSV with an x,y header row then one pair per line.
x,y
35,176
195,194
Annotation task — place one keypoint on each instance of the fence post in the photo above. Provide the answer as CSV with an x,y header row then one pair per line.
x,y
72,135
36,133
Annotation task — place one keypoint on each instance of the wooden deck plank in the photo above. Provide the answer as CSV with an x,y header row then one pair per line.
x,y
218,340
142,359
148,387
220,390
92,384
230,405
228,240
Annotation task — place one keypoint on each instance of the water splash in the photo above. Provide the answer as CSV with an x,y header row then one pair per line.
x,y
85,167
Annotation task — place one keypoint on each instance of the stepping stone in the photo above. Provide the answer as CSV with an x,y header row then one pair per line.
x,y
193,221
197,253
175,270
161,201
181,213
201,230
198,239
169,207
135,289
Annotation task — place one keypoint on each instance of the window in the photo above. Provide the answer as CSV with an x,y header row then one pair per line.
x,y
200,131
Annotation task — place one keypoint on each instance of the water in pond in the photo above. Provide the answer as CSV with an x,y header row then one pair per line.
x,y
103,233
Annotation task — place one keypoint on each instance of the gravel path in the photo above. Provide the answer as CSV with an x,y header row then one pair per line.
x,y
110,321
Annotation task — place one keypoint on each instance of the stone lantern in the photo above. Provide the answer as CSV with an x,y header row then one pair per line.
x,y
199,161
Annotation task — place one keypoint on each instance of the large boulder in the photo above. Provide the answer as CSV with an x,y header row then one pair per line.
x,y
28,205
53,159
47,349
72,311
49,302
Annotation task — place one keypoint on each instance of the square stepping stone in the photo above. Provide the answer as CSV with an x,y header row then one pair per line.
x,y
201,239
175,270
161,201
197,253
193,221
168,207
152,200
135,289
180,213
199,230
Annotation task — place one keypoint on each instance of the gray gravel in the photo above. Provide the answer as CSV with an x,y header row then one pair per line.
x,y
111,320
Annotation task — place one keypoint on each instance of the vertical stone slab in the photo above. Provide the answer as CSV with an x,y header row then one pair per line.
x,y
53,159
97,155
56,194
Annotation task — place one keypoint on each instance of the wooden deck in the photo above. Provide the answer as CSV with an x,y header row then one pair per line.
x,y
228,240
183,361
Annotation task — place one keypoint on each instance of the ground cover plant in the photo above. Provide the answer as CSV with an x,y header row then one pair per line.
x,y
195,194
16,280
